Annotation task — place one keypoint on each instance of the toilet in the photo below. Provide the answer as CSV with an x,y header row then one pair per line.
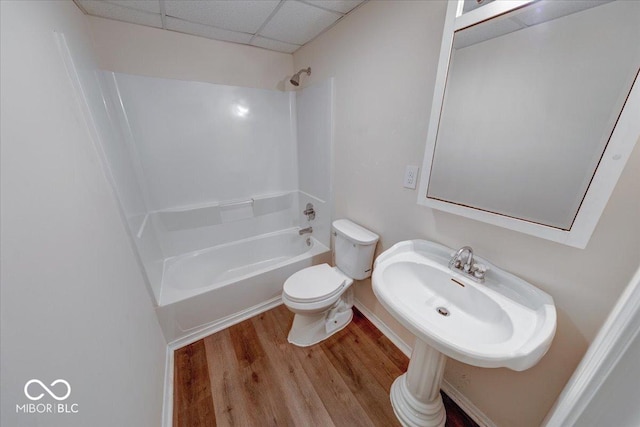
x,y
321,296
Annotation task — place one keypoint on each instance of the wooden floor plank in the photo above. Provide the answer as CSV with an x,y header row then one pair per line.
x,y
297,391
341,404
385,345
249,375
246,343
264,393
193,402
345,355
377,361
230,400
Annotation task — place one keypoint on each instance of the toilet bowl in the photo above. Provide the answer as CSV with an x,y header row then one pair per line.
x,y
321,296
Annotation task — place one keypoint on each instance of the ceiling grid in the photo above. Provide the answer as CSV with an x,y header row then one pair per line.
x,y
279,25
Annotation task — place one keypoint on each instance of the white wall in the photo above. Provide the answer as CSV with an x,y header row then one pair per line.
x,y
383,58
74,304
184,231
122,164
200,143
135,49
314,123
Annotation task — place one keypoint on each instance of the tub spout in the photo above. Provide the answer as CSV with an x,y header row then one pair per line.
x,y
305,230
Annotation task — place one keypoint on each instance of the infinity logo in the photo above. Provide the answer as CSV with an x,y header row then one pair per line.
x,y
52,394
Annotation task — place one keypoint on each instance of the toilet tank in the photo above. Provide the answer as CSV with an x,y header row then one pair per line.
x,y
354,248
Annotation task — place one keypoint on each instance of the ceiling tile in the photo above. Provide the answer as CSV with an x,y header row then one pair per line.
x,y
114,11
297,23
152,6
206,31
288,24
274,45
342,6
246,16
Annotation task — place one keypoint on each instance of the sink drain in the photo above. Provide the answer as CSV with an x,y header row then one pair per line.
x,y
443,311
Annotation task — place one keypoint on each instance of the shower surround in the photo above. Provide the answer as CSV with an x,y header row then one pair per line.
x,y
212,181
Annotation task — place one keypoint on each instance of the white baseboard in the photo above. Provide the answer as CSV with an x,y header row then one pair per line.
x,y
466,405
224,323
167,400
460,399
167,405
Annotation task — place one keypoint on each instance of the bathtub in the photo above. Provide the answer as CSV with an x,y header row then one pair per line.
x,y
208,290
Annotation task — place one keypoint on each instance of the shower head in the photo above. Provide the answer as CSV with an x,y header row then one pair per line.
x,y
295,79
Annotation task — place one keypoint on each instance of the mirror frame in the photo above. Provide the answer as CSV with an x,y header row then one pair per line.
x,y
623,139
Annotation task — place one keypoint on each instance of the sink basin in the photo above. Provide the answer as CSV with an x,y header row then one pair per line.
x,y
503,322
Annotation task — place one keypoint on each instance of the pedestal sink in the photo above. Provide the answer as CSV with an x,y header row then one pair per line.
x,y
503,322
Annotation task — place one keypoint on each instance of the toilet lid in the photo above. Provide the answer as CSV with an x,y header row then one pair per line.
x,y
314,284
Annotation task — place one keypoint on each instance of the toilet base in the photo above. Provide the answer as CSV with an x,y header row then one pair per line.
x,y
310,329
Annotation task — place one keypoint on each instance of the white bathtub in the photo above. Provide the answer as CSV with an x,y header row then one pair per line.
x,y
209,289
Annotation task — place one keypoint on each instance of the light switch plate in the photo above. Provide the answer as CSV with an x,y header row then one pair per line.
x,y
411,177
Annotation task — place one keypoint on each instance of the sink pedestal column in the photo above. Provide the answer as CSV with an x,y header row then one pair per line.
x,y
415,395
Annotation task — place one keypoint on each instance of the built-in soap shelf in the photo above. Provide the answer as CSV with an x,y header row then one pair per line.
x,y
224,211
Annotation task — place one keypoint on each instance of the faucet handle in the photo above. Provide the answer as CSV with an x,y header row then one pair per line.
x,y
309,212
479,270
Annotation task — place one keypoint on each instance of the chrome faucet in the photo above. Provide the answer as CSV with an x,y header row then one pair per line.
x,y
456,260
307,230
469,267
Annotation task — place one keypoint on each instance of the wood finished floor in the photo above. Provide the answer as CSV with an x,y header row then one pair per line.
x,y
249,375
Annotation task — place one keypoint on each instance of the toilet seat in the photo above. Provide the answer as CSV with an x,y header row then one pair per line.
x,y
313,284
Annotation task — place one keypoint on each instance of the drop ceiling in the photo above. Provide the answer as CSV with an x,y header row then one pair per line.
x,y
279,25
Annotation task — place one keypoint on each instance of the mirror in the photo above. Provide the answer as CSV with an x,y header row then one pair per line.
x,y
530,101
